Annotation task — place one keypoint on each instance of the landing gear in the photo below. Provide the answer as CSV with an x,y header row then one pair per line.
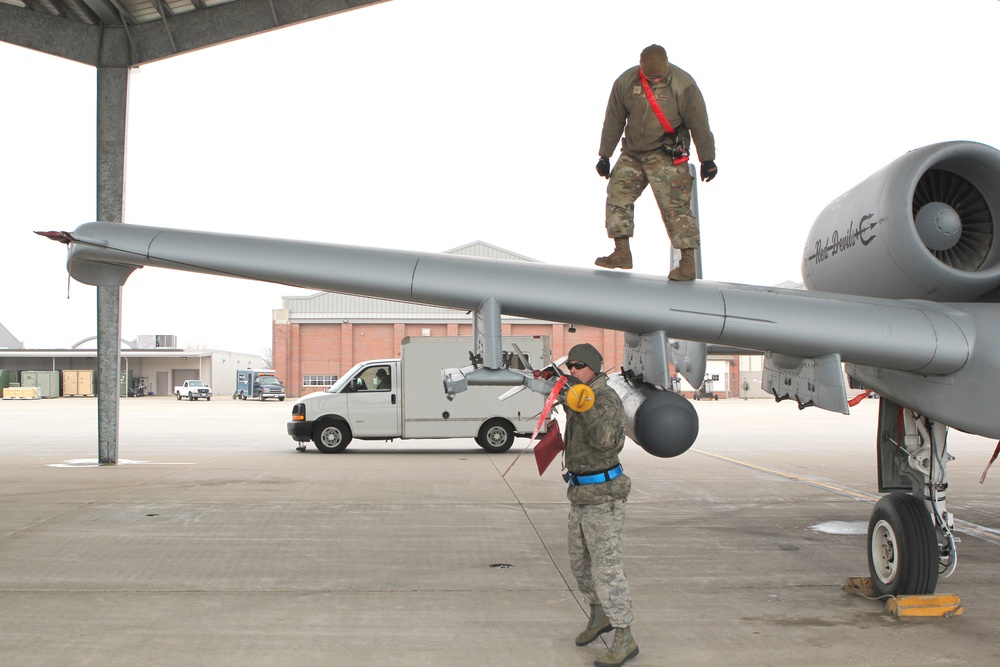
x,y
911,540
902,547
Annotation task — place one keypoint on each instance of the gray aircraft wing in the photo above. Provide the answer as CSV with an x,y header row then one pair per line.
x,y
909,338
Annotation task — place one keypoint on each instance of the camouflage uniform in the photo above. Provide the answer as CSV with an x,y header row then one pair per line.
x,y
597,511
643,160
671,186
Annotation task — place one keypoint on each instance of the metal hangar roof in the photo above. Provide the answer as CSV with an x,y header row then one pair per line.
x,y
154,29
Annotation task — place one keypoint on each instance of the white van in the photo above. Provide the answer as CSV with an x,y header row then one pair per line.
x,y
385,399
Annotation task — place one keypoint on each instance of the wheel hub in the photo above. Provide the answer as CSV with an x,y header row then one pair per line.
x,y
884,552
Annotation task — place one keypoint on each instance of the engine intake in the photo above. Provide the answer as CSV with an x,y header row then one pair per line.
x,y
923,227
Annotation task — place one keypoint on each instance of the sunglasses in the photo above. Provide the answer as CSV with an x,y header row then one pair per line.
x,y
575,365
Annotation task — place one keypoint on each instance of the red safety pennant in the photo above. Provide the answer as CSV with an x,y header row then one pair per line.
x,y
548,447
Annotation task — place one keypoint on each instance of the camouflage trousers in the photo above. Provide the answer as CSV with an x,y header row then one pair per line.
x,y
595,557
671,185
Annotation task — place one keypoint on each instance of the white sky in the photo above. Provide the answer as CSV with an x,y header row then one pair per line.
x,y
427,124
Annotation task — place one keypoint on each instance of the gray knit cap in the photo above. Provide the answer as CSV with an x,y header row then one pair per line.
x,y
588,354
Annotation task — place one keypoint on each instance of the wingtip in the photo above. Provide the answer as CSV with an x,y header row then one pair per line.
x,y
61,237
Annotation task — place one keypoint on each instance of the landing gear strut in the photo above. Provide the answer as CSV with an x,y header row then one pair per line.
x,y
911,538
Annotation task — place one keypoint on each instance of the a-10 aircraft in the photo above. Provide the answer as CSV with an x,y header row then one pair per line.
x,y
903,282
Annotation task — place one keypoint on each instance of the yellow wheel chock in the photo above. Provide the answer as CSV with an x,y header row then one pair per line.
x,y
945,606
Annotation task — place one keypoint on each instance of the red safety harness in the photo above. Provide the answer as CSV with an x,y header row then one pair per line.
x,y
659,113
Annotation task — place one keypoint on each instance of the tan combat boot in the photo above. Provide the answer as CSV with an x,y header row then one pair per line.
x,y
621,258
596,626
622,648
684,270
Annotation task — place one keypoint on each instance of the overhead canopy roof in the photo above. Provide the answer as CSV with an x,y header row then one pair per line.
x,y
155,29
114,12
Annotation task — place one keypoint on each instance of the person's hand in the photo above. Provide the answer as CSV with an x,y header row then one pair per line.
x,y
604,167
708,170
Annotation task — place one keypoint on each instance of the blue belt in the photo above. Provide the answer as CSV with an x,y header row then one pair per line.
x,y
594,477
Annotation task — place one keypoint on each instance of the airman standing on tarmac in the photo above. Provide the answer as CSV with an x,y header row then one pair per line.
x,y
598,491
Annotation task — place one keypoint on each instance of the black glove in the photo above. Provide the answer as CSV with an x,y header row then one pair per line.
x,y
604,167
708,170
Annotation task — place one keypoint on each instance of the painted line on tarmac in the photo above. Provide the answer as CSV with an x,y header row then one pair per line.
x,y
990,535
840,490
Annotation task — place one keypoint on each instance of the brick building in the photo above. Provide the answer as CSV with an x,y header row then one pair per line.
x,y
318,337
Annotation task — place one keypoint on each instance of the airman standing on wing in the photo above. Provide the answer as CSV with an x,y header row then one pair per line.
x,y
654,152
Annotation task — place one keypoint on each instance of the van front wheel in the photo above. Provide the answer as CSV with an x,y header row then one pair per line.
x,y
496,436
331,436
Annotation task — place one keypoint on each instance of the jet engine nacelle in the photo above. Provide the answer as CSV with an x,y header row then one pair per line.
x,y
923,227
663,423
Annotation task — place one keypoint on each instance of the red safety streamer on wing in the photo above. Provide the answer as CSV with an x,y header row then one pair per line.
x,y
996,452
857,399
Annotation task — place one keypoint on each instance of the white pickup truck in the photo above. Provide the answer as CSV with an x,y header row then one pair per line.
x,y
193,390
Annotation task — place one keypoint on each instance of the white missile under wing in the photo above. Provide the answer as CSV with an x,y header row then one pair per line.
x,y
903,278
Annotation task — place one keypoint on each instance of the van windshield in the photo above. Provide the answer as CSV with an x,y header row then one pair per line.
x,y
339,384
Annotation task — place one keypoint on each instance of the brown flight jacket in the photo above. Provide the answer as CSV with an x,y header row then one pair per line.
x,y
629,111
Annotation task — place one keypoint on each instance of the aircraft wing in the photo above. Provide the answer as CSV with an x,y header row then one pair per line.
x,y
925,337
902,336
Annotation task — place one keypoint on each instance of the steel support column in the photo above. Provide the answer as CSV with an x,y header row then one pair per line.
x,y
112,115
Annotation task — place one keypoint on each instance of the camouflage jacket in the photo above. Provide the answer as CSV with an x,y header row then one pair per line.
x,y
593,440
629,111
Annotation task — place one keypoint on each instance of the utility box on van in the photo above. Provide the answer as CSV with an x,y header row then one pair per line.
x,y
385,399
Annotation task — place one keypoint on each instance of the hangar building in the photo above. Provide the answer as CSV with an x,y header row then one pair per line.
x,y
154,363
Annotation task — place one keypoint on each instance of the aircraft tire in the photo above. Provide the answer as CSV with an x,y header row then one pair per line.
x,y
496,436
331,436
902,547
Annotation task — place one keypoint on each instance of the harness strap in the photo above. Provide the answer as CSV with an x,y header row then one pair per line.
x,y
659,112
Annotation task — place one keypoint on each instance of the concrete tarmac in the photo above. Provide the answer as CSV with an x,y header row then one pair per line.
x,y
214,542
